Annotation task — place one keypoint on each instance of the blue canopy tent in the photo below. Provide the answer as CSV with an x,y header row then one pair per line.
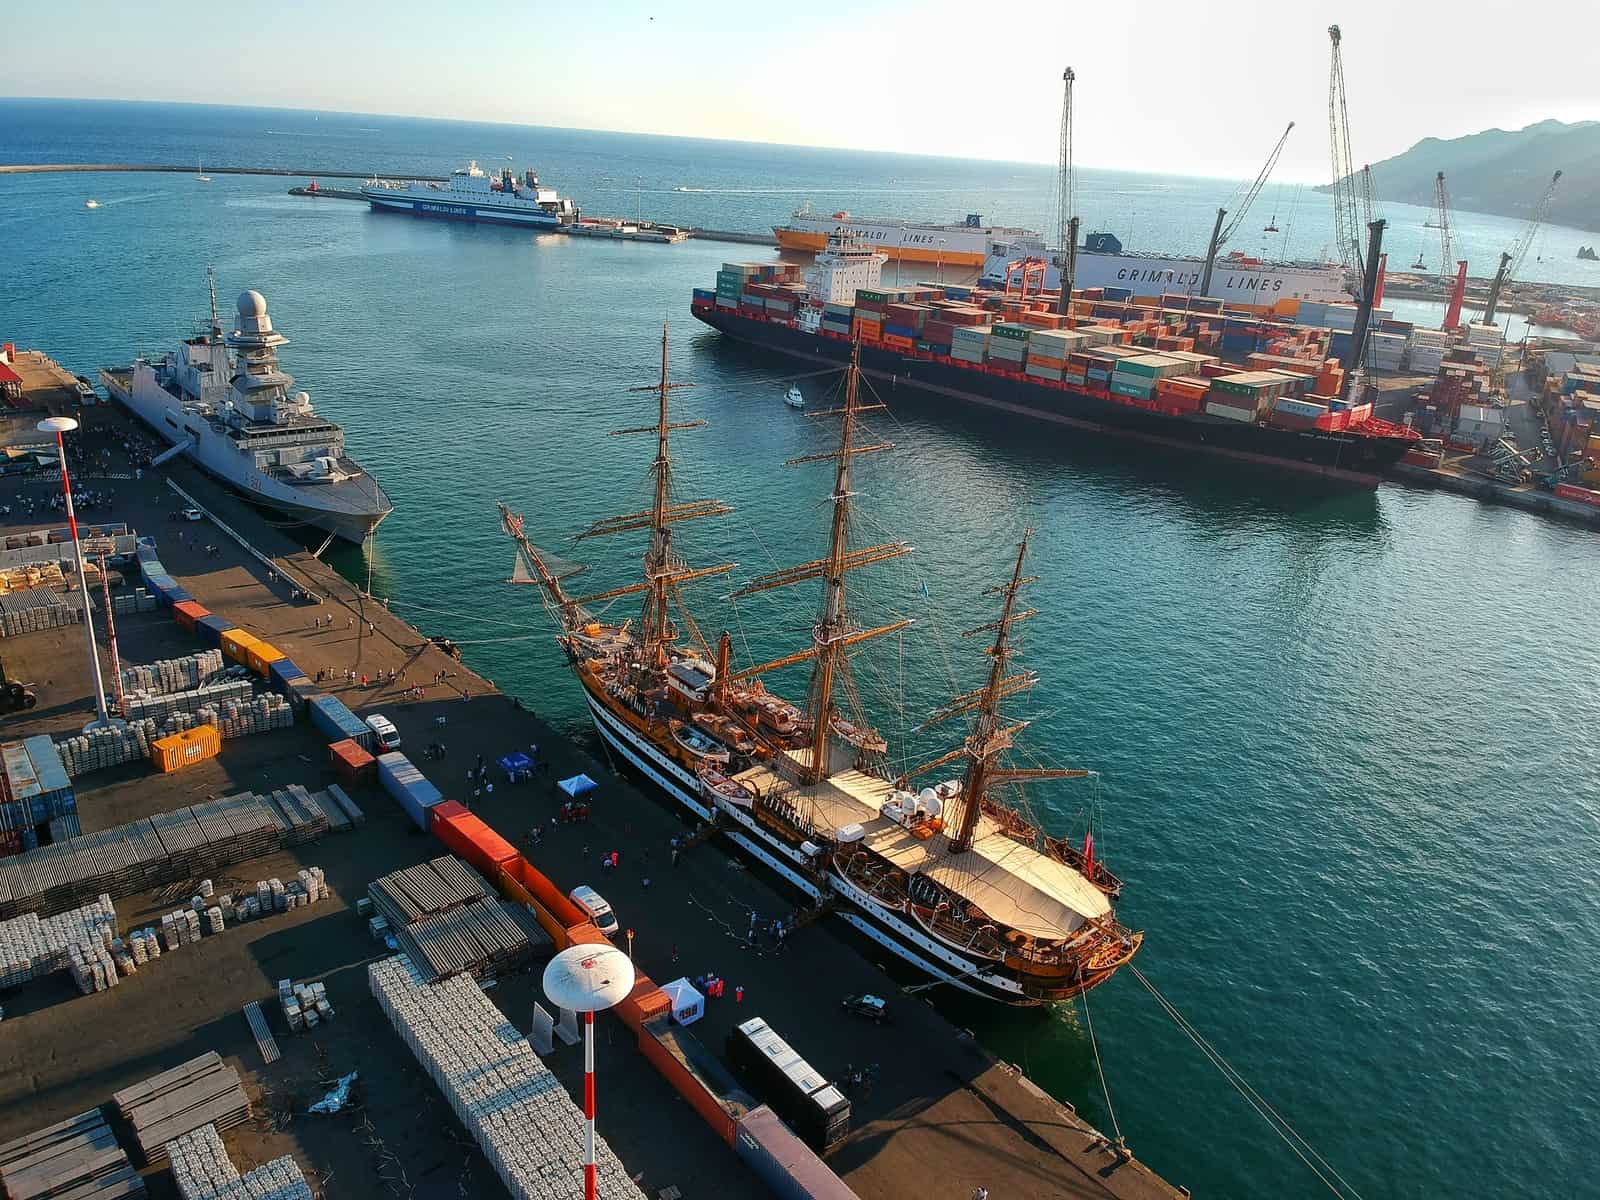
x,y
517,766
578,787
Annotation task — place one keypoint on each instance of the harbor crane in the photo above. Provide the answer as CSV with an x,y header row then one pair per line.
x,y
1066,200
1219,234
1347,198
1511,260
1441,201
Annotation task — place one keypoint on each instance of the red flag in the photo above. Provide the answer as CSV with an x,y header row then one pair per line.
x,y
1088,851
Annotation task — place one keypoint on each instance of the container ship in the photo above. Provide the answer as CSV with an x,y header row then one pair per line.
x,y
222,400
470,194
1154,371
1240,281
956,878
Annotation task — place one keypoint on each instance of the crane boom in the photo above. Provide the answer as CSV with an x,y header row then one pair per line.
x,y
1441,200
1221,233
1347,226
1511,260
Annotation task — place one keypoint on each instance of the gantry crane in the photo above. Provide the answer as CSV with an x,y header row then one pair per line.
x,y
1348,227
1512,259
1219,235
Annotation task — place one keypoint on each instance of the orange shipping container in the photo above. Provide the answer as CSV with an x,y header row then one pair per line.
x,y
660,1044
188,746
187,613
236,644
896,342
261,656
351,763
540,891
468,838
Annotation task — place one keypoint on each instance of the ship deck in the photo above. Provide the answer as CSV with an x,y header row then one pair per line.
x,y
1012,883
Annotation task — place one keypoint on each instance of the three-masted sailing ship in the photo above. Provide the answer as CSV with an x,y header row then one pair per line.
x,y
950,877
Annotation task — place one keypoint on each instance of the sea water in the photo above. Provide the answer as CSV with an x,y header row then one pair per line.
x,y
1346,741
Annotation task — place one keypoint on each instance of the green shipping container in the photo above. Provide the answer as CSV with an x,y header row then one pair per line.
x,y
1014,333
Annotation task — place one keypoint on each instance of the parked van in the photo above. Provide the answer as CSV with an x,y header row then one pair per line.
x,y
592,902
383,728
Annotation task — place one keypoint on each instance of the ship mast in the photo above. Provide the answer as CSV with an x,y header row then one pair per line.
x,y
663,569
834,632
991,735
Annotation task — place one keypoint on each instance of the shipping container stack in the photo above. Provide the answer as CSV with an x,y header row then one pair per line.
x,y
518,1112
1425,350
37,802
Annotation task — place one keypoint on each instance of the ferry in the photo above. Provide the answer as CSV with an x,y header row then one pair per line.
x,y
966,244
471,194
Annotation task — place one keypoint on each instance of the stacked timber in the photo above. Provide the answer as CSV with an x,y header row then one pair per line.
x,y
165,1107
78,1157
107,746
201,1170
519,1113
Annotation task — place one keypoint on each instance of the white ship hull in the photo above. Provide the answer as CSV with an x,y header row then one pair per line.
x,y
1252,285
351,509
892,930
440,205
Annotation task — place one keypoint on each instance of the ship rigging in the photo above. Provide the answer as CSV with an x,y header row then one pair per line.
x,y
954,879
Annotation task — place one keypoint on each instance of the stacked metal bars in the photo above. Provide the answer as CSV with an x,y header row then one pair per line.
x,y
107,746
300,819
519,1113
166,1106
342,799
262,1032
33,609
169,675
31,947
202,1170
143,854
483,937
78,1157
433,887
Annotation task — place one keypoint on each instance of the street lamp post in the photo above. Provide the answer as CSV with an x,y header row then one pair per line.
x,y
59,426
587,979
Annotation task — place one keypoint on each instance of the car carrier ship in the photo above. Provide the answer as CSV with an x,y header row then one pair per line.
x,y
955,878
1154,372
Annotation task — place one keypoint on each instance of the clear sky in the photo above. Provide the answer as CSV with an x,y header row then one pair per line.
x,y
1202,87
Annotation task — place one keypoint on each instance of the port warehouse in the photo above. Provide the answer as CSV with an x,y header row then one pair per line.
x,y
775,1153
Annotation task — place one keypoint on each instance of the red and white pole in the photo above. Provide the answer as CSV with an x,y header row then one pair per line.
x,y
591,1182
59,426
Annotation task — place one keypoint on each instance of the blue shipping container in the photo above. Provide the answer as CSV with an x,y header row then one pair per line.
x,y
162,585
280,673
145,550
904,331
149,567
301,691
336,722
51,772
177,595
409,787
211,628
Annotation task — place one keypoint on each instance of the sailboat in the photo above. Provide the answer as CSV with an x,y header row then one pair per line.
x,y
200,175
953,878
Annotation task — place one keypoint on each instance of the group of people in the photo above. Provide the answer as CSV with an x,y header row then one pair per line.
x,y
714,987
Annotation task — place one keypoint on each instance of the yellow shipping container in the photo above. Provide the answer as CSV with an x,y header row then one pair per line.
x,y
262,656
237,644
189,746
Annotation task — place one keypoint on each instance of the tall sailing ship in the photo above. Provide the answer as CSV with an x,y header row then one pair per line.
x,y
952,878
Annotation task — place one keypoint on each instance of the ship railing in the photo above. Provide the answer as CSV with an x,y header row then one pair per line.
x,y
972,936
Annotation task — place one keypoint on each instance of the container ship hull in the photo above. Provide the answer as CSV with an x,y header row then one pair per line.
x,y
1337,456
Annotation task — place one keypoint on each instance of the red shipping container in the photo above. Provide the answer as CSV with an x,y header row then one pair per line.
x,y
469,839
187,613
1583,495
352,764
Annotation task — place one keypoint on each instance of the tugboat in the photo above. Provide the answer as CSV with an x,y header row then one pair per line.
x,y
955,878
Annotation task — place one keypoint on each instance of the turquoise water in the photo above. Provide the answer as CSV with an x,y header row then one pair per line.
x,y
1347,741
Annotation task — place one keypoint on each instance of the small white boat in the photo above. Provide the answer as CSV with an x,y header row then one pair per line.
x,y
91,204
200,175
793,398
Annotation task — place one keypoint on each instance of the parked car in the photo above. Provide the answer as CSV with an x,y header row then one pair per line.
x,y
873,1008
